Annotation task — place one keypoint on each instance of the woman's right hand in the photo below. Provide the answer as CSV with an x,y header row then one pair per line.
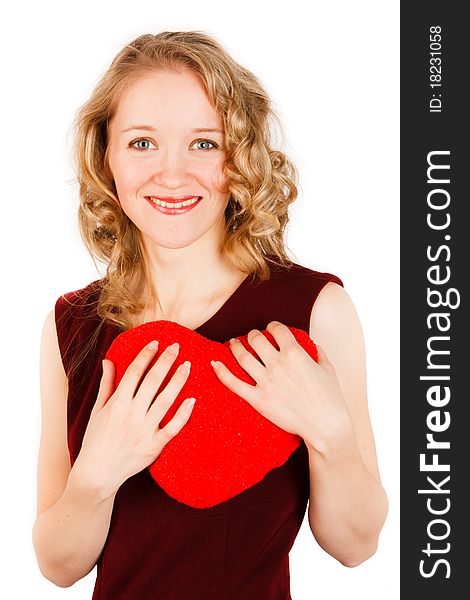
x,y
123,435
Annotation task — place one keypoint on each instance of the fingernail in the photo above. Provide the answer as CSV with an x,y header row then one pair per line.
x,y
152,345
215,363
173,349
191,403
185,367
233,340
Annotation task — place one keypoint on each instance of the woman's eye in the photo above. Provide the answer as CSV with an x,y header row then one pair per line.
x,y
142,143
205,144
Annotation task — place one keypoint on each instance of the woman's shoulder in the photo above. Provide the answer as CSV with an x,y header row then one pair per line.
x,y
292,271
79,301
83,293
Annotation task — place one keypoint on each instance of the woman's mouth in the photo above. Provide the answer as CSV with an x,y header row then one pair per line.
x,y
173,206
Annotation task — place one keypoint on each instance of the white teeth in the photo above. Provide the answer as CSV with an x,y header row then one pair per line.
x,y
173,204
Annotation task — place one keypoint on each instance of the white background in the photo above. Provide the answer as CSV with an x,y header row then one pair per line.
x,y
331,69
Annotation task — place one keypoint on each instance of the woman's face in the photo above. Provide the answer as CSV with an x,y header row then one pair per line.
x,y
160,148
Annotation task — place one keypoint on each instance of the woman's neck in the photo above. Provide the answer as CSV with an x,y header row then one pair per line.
x,y
191,283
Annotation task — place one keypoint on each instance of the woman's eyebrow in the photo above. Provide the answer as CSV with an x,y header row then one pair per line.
x,y
206,130
150,128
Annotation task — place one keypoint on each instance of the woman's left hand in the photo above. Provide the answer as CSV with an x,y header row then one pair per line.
x,y
292,390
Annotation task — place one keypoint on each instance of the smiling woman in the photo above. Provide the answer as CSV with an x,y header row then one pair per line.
x,y
175,87
171,164
186,202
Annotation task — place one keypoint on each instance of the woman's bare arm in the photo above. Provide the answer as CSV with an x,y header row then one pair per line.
x,y
73,518
348,504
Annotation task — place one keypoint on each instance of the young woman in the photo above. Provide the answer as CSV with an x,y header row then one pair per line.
x,y
185,201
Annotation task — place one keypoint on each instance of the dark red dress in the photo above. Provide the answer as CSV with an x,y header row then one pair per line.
x,y
158,548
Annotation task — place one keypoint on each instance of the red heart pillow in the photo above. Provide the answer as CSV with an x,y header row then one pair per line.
x,y
226,446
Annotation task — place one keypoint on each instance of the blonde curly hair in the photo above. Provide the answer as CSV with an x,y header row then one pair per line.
x,y
262,181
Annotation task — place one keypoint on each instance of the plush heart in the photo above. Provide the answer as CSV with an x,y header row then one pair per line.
x,y
226,446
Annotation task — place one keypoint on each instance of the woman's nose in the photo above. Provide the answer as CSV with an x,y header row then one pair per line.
x,y
170,169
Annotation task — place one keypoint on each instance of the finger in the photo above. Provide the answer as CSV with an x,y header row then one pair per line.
x,y
106,386
247,361
237,386
166,398
178,421
281,333
131,378
261,345
153,379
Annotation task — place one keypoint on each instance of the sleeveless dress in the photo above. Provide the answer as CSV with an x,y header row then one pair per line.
x,y
158,548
